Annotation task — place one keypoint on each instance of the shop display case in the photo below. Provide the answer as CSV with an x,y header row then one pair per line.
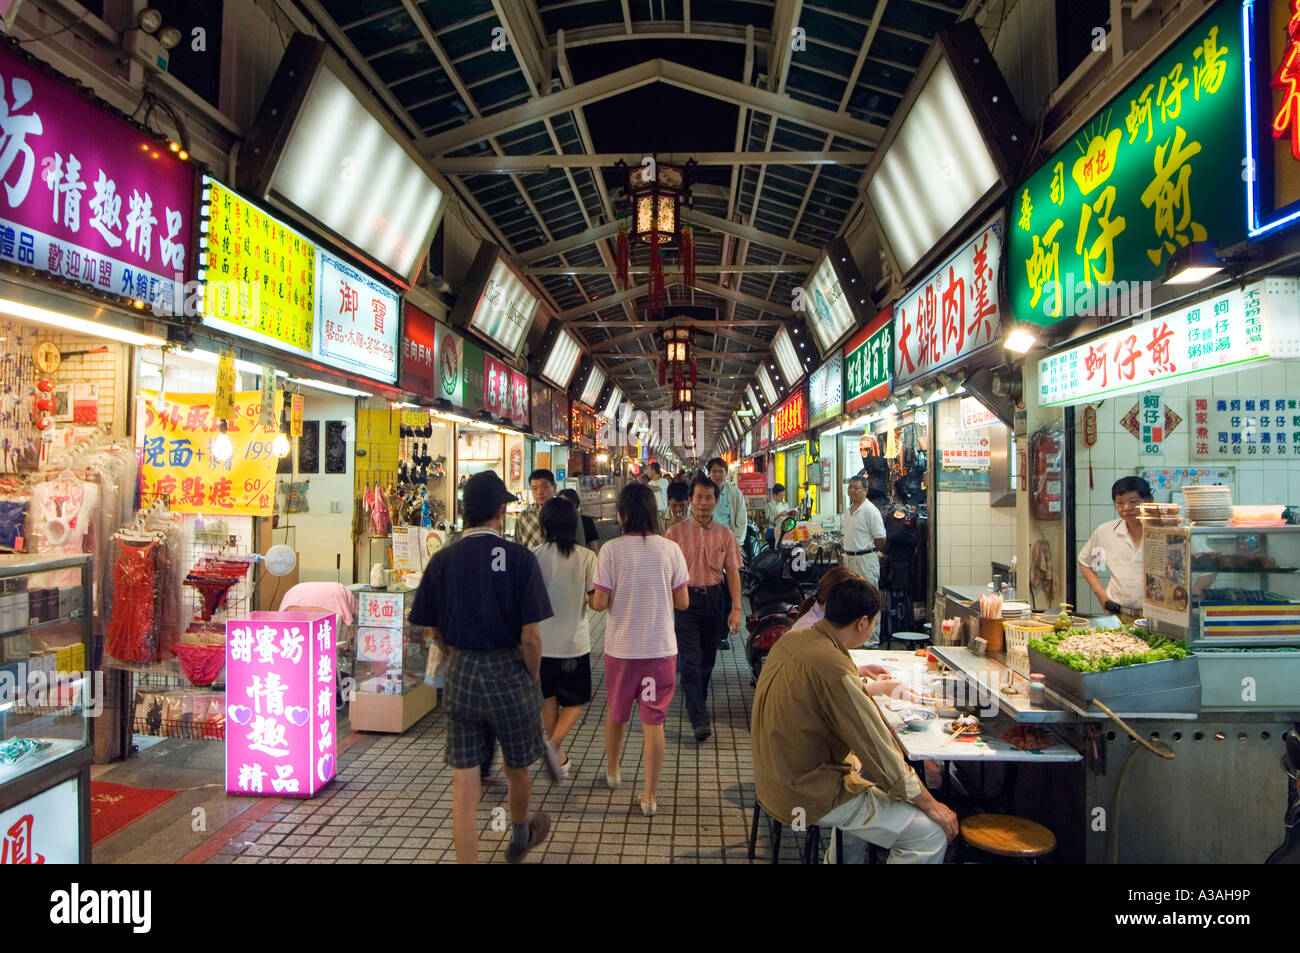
x,y
47,698
389,663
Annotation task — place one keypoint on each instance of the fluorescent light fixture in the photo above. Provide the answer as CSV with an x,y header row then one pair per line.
x,y
753,399
562,361
207,357
1192,263
783,348
765,382
330,388
400,405
66,322
615,398
1020,340
452,418
916,401
595,384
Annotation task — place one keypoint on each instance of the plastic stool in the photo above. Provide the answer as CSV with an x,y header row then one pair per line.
x,y
913,640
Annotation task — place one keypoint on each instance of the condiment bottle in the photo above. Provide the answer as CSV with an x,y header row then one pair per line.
x,y
1064,620
1037,691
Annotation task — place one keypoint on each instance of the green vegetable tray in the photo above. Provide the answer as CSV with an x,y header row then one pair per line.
x,y
1166,679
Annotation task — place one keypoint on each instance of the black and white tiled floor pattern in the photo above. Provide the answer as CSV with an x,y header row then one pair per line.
x,y
391,802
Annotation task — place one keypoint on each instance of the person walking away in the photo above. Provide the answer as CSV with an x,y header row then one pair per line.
x,y
731,513
484,596
817,736
568,571
588,527
713,560
777,510
1116,547
679,495
864,537
640,579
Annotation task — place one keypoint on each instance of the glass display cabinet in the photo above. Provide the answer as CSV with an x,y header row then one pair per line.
x,y
389,658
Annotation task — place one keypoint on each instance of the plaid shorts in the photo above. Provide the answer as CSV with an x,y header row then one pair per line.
x,y
490,694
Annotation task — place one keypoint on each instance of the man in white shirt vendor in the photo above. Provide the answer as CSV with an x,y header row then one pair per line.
x,y
864,538
777,510
1116,547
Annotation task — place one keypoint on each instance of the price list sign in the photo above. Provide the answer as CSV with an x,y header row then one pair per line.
x,y
1263,427
281,731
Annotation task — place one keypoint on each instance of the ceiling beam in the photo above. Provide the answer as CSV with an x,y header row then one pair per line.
x,y
645,269
741,297
661,30
562,245
608,301
757,235
526,164
785,17
632,77
695,322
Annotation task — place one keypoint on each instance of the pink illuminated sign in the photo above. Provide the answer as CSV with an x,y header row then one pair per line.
x,y
280,718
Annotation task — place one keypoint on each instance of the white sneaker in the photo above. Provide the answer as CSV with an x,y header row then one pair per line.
x,y
553,761
564,770
613,781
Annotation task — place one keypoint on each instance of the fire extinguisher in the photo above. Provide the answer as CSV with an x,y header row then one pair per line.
x,y
1047,479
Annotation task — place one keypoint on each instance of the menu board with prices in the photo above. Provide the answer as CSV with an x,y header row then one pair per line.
x,y
260,278
1152,421
1263,427
281,732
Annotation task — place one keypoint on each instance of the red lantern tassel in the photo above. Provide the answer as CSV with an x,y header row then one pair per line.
x,y
688,258
656,280
661,373
693,378
621,259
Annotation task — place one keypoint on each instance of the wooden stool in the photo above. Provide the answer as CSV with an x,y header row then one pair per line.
x,y
1005,835
812,843
913,640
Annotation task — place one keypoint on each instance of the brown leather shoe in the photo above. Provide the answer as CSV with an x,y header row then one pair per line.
x,y
539,825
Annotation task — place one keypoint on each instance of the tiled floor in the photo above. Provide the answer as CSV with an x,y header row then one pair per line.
x,y
391,802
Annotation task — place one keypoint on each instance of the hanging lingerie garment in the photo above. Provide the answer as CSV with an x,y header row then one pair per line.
x,y
132,627
214,579
13,517
63,524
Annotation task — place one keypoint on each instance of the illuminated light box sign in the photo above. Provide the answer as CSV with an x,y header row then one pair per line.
x,y
259,275
975,415
562,361
356,320
88,197
42,829
419,361
868,363
323,152
826,391
953,147
765,430
791,418
495,302
953,313
281,730
826,298
1272,116
1159,167
1217,334
505,392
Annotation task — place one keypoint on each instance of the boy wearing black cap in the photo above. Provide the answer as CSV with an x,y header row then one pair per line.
x,y
483,596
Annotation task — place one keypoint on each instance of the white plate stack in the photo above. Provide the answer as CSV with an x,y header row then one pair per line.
x,y
1015,611
1208,504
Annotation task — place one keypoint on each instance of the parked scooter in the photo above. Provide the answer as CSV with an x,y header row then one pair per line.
x,y
774,600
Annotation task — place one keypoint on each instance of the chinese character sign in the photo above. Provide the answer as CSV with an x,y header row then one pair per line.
x,y
505,391
868,363
176,461
790,418
1273,104
380,609
1159,167
1218,333
1151,420
419,365
281,729
356,320
1262,426
87,197
953,312
42,829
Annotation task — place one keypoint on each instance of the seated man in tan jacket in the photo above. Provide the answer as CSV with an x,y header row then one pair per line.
x,y
813,729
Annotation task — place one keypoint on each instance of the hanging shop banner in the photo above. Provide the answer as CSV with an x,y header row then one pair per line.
x,y
824,303
560,416
505,392
1218,333
826,391
88,197
177,462
765,430
281,727
495,301
419,364
451,366
868,367
975,415
791,418
539,406
1262,425
953,313
1159,167
583,424
295,416
259,276
752,484
1272,115
356,320
472,375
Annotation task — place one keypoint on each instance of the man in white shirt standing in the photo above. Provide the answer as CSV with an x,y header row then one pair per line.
x,y
1116,547
659,483
864,538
